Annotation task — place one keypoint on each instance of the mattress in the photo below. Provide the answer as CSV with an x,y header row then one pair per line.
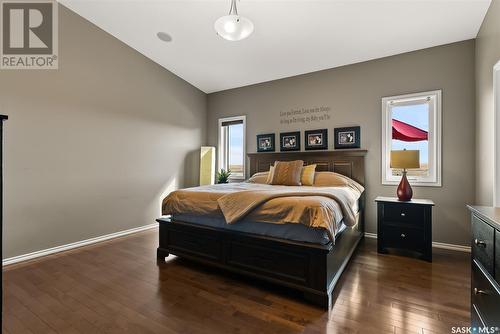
x,y
294,232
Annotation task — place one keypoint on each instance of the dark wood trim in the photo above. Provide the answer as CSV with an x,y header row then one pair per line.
x,y
311,268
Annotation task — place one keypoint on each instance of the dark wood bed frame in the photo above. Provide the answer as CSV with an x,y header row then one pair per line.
x,y
311,268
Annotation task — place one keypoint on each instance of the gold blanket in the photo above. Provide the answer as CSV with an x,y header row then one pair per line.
x,y
237,205
322,207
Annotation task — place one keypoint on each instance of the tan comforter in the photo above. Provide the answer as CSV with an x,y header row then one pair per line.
x,y
322,207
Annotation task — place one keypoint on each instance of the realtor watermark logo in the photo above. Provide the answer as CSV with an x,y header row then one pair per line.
x,y
29,34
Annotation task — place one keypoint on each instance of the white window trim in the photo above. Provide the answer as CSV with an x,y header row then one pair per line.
x,y
221,160
496,140
434,145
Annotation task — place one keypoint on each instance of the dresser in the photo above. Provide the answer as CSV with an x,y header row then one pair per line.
x,y
485,266
405,226
2,119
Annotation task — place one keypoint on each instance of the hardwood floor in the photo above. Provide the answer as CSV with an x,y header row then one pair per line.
x,y
118,287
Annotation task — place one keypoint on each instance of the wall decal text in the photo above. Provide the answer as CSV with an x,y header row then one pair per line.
x,y
305,115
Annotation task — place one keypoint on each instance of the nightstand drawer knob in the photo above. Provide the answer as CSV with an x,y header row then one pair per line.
x,y
480,243
403,214
403,235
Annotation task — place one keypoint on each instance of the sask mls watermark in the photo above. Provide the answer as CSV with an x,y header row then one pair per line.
x,y
29,34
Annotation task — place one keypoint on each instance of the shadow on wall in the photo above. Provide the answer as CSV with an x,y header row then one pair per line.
x,y
171,185
191,168
191,172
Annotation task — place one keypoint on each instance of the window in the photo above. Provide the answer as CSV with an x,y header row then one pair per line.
x,y
413,122
232,146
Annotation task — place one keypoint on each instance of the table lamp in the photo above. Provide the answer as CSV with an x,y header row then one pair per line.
x,y
404,160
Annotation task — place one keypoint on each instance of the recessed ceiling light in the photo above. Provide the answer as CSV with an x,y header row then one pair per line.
x,y
163,36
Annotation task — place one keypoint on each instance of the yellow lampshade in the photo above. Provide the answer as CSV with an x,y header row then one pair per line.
x,y
405,159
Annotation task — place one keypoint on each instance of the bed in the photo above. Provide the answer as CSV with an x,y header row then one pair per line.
x,y
307,258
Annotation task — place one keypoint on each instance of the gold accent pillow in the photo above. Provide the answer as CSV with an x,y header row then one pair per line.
x,y
307,177
287,173
330,179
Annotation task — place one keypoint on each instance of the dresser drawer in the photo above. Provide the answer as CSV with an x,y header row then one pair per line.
x,y
282,264
485,296
482,243
400,237
497,256
412,215
475,320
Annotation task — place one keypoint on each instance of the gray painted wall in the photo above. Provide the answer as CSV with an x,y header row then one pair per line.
x,y
354,95
90,148
487,55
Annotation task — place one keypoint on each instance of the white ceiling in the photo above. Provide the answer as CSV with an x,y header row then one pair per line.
x,y
290,38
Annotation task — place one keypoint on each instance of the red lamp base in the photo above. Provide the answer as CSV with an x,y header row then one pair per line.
x,y
405,193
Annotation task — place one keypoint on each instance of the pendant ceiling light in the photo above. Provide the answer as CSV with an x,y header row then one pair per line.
x,y
233,27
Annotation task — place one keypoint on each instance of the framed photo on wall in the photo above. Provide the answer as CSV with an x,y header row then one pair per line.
x,y
347,137
290,141
316,139
265,143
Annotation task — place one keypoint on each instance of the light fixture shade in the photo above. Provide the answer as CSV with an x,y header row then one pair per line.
x,y
233,27
207,165
405,159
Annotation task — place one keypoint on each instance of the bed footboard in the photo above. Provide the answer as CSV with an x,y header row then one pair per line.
x,y
313,269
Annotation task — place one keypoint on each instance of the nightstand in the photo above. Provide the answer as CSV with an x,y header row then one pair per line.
x,y
405,225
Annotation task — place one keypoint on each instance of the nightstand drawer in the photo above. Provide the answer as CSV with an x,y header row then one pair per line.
x,y
400,237
482,243
411,215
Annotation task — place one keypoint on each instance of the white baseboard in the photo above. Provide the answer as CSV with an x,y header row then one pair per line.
x,y
442,245
62,248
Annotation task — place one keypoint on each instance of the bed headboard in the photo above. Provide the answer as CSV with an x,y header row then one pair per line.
x,y
350,163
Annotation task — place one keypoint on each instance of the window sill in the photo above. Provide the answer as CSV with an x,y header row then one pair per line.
x,y
414,183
